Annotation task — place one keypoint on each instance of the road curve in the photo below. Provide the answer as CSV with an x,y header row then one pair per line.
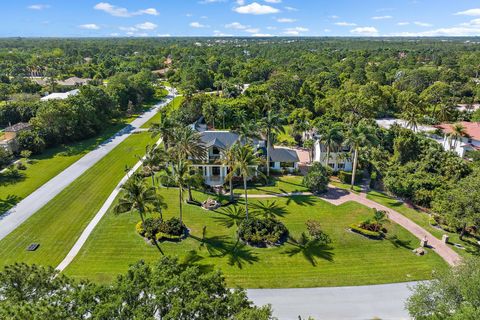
x,y
40,197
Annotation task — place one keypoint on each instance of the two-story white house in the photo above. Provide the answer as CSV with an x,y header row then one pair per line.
x,y
469,142
216,141
339,159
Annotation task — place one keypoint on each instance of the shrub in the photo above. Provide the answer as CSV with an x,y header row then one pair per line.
x,y
346,177
262,232
316,232
156,227
30,140
316,180
21,166
139,228
172,227
5,157
367,233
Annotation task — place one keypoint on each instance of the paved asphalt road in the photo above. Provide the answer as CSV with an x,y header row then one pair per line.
x,y
337,303
36,200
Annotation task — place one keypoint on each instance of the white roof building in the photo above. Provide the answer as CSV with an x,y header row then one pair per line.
x,y
60,95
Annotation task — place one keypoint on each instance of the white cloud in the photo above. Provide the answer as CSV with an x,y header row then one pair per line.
x,y
334,17
197,25
273,1
123,12
146,26
236,25
470,12
382,17
327,30
38,6
211,1
218,33
256,9
129,29
403,23
448,32
89,26
263,35
240,2
365,31
285,20
345,24
291,9
295,31
271,28
422,24
115,34
252,30
164,35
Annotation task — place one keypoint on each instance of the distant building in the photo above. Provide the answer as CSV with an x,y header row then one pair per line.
x,y
469,142
74,82
9,139
60,95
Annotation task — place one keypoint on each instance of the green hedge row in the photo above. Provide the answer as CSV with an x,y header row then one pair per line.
x,y
367,233
346,177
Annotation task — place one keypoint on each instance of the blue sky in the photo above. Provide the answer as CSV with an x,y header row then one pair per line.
x,y
240,18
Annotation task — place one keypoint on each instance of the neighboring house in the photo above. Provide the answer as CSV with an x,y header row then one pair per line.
x,y
470,142
215,142
9,139
464,107
74,82
60,95
340,159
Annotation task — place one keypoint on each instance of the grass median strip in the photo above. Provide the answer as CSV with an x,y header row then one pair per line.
x,y
351,259
59,223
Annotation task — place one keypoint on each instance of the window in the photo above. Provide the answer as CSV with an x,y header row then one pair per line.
x,y
215,151
341,166
215,171
332,165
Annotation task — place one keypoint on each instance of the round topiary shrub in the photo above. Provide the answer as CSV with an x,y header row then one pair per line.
x,y
172,230
316,179
262,232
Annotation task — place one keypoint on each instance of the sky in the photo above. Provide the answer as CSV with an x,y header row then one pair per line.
x,y
256,18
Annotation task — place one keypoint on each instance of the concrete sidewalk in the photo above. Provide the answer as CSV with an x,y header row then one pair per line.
x,y
363,302
36,200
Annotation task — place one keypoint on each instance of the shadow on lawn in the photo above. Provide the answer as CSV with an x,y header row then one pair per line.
x,y
301,200
311,249
398,243
237,253
269,209
7,203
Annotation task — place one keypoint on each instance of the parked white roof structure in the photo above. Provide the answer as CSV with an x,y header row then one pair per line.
x,y
60,95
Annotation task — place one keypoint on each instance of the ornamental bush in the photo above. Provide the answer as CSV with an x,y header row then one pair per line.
x,y
156,227
346,177
262,232
316,180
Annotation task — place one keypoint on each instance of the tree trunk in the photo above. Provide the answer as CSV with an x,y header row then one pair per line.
x,y
180,195
141,216
153,178
354,171
246,196
231,189
268,153
462,233
328,155
190,197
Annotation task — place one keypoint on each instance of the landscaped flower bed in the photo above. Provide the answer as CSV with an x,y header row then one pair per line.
x,y
367,233
262,232
162,230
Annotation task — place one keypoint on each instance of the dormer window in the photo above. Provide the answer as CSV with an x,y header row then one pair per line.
x,y
215,151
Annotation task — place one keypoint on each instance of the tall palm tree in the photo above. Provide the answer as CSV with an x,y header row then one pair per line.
x,y
412,119
136,197
150,161
178,174
332,137
309,144
165,129
188,144
247,130
359,136
246,164
272,122
458,131
228,160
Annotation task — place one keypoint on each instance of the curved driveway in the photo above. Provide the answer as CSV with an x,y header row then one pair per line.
x,y
37,199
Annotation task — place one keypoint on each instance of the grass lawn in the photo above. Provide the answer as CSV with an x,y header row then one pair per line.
x,y
172,106
422,219
346,186
281,184
47,165
60,222
351,259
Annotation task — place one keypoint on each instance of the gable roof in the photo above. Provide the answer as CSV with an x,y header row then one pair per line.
x,y
279,154
220,139
472,129
60,95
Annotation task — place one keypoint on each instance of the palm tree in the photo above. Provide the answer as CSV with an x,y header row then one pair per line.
x,y
178,174
188,144
165,129
150,161
228,160
136,197
359,136
246,164
458,131
272,122
247,131
412,119
331,138
309,144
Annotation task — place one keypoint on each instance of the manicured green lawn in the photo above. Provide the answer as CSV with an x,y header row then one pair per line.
x,y
172,106
346,186
281,184
422,219
351,259
60,222
47,165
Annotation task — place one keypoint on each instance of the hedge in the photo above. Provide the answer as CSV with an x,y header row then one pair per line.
x,y
367,233
165,236
346,177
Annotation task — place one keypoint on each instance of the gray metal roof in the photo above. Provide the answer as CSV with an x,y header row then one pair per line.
x,y
283,155
220,139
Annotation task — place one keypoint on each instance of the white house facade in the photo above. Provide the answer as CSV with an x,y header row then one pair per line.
x,y
461,145
339,159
